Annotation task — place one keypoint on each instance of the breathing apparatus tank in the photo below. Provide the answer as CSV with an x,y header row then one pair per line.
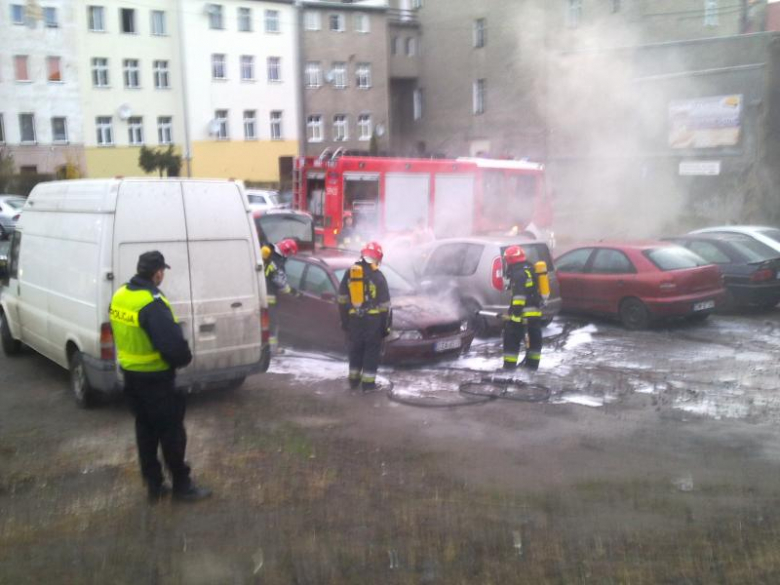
x,y
542,278
357,287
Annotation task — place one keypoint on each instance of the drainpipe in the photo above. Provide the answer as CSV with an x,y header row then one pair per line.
x,y
184,91
299,72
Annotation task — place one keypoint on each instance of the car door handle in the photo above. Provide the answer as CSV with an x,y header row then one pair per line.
x,y
208,327
236,305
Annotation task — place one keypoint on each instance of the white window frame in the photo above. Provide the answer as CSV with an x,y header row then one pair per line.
x,y
250,124
363,76
135,131
54,59
104,126
32,125
131,73
574,13
223,124
218,67
158,23
479,89
480,33
247,67
312,20
276,121
340,21
272,23
417,104
314,128
122,21
340,74
274,66
410,46
361,23
394,44
216,13
711,13
162,79
165,130
244,19
365,126
313,75
64,138
340,128
96,16
26,78
49,11
17,14
100,72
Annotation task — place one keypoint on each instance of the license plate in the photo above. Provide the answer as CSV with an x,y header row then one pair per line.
x,y
704,305
447,344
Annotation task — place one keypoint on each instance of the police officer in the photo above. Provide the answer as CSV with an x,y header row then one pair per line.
x,y
276,280
364,304
525,313
150,346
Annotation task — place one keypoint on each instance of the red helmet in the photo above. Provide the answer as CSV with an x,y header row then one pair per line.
x,y
288,247
514,255
373,252
347,214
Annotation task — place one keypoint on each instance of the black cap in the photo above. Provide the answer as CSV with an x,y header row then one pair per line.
x,y
151,262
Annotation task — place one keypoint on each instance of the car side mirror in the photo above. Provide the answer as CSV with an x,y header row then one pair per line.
x,y
328,296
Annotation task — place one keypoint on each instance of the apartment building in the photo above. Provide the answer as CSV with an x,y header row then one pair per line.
x,y
41,123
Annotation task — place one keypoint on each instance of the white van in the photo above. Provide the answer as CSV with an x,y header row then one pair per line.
x,y
77,242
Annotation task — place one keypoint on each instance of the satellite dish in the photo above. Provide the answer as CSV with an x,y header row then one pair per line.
x,y
380,130
329,76
124,111
214,127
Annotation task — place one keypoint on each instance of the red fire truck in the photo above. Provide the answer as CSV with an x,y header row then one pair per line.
x,y
391,197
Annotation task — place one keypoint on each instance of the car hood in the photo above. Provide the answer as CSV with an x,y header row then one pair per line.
x,y
419,312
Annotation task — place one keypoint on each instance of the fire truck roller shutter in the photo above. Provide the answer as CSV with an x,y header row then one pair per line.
x,y
407,199
453,214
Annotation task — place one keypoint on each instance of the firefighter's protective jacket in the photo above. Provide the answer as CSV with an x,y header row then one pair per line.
x,y
526,300
375,292
276,277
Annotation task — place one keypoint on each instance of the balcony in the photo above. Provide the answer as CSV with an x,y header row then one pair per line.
x,y
403,17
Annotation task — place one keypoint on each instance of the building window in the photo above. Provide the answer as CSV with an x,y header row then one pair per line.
x,y
165,130
394,45
221,118
100,72
50,17
215,16
132,75
218,70
340,76
336,22
417,104
361,23
274,69
276,125
340,128
411,46
363,75
159,27
711,13
574,13
365,128
53,69
313,75
479,96
127,20
2,130
312,20
480,33
417,4
247,68
17,14
135,130
244,19
27,128
250,124
96,19
272,21
59,130
314,128
105,131
161,77
21,71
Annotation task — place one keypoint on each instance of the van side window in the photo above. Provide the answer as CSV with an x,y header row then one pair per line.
x,y
13,255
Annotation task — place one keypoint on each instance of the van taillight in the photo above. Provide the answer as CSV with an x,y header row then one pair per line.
x,y
762,275
265,325
497,273
107,342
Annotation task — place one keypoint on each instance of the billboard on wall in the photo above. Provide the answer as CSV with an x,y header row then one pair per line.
x,y
705,122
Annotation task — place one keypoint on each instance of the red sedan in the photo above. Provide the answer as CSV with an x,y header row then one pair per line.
x,y
638,282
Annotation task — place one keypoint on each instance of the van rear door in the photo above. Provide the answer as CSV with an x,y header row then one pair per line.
x,y
150,216
225,276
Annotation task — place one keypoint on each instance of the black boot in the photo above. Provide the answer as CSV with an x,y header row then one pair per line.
x,y
157,492
191,493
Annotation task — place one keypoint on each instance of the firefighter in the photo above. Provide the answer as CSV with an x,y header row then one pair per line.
x,y
274,258
364,306
525,311
349,236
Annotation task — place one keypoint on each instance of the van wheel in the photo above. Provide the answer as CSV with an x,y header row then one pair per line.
x,y
634,314
79,383
11,346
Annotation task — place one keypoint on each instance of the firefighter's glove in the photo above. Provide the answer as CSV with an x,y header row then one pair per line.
x,y
296,293
504,317
386,332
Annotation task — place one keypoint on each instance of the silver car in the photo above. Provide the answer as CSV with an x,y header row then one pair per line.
x,y
472,270
10,208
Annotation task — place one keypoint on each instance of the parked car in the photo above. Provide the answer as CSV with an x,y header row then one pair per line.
x,y
472,270
275,225
78,241
769,236
750,268
263,200
639,282
423,328
10,209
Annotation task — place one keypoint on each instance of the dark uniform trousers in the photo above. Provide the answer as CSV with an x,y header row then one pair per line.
x,y
159,422
365,347
514,335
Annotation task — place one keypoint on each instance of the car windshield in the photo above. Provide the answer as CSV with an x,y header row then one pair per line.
x,y
276,227
395,282
16,204
750,249
771,233
674,258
